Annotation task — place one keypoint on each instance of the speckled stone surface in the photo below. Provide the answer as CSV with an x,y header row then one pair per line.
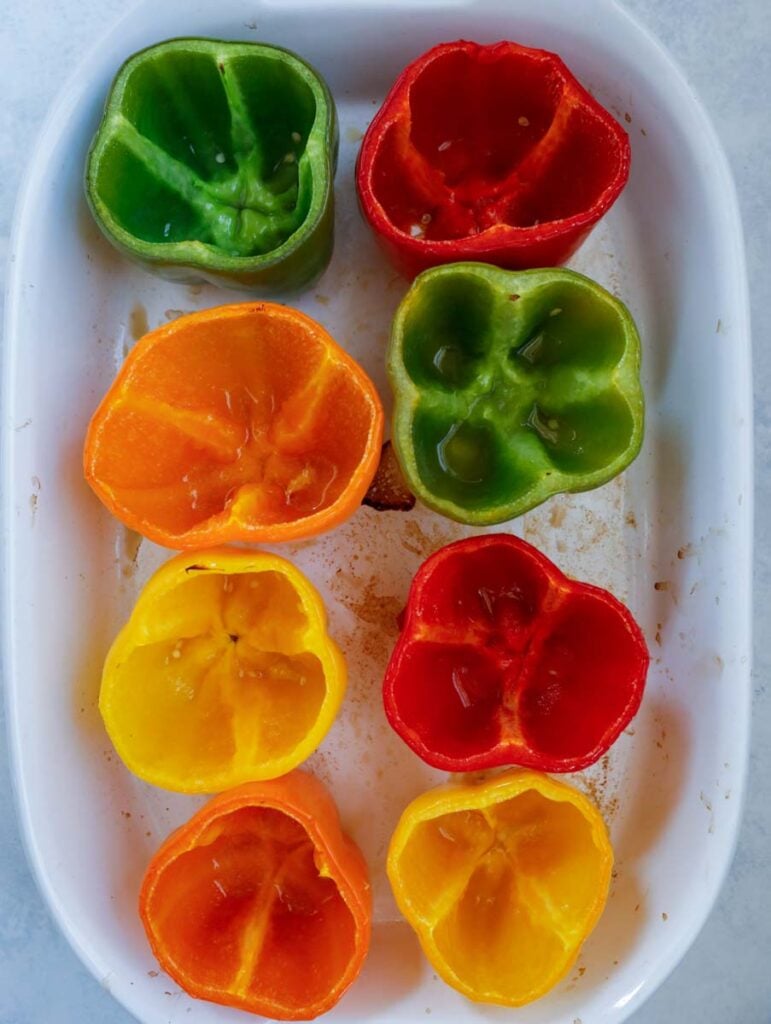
x,y
725,49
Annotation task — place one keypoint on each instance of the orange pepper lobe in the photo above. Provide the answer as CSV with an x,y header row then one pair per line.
x,y
260,902
239,423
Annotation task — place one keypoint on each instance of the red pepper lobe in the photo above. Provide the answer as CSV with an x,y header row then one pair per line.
x,y
504,660
492,153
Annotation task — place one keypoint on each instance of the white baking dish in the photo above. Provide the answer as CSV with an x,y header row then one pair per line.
x,y
672,537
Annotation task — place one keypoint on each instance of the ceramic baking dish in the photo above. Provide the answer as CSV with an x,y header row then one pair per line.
x,y
672,536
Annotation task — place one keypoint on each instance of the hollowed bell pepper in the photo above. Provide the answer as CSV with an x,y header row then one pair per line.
x,y
492,153
244,422
215,161
223,673
502,882
512,387
260,901
504,660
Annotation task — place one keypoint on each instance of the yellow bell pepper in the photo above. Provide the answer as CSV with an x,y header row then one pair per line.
x,y
502,881
224,673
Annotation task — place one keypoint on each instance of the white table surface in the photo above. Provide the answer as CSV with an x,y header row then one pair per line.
x,y
724,46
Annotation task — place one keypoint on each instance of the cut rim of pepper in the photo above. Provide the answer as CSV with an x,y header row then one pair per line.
x,y
224,673
237,423
266,867
481,174
501,404
502,881
498,663
248,198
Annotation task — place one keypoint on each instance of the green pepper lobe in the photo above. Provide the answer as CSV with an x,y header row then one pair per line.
x,y
215,160
512,387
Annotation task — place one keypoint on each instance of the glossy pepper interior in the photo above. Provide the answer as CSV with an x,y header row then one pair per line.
x,y
215,155
242,422
496,149
504,660
260,902
511,387
502,882
223,673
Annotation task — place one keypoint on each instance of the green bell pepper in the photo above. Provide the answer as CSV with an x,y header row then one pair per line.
x,y
216,161
511,387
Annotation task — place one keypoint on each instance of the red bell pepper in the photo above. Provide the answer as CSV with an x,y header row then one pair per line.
x,y
490,153
504,660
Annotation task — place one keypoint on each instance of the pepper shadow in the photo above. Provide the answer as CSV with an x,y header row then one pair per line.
x,y
98,249
393,968
96,589
655,787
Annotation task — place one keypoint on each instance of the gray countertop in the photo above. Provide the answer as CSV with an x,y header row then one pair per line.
x,y
725,50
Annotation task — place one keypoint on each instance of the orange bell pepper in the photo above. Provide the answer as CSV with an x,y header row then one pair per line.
x,y
224,673
502,881
238,423
260,901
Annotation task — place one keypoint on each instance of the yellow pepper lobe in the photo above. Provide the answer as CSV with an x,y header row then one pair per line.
x,y
223,673
502,882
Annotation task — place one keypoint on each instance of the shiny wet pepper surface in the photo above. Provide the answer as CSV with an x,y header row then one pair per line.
x,y
215,160
260,901
504,660
239,423
502,882
512,387
493,153
223,673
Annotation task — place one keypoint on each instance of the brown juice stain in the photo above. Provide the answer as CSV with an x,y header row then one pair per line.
x,y
138,326
33,498
596,784
376,614
132,541
587,529
425,542
557,515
